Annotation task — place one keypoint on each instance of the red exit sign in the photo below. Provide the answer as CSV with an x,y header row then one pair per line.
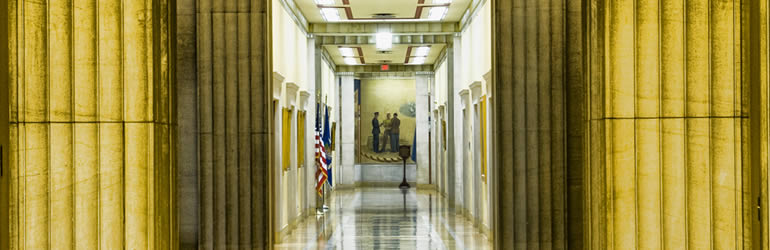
x,y
384,67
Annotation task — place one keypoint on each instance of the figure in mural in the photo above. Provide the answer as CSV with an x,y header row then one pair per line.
x,y
394,124
386,136
376,133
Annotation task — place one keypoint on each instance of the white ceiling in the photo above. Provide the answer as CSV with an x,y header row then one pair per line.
x,y
364,10
397,55
356,11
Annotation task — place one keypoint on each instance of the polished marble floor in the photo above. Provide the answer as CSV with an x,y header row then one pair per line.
x,y
385,218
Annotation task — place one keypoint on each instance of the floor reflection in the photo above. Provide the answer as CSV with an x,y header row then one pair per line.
x,y
386,218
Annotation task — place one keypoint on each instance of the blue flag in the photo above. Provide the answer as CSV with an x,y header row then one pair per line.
x,y
327,141
414,146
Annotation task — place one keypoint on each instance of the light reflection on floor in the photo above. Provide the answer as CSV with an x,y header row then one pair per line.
x,y
385,218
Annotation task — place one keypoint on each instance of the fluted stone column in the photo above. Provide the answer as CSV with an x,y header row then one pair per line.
x,y
574,67
187,118
528,124
5,175
234,109
756,53
92,124
669,125
657,124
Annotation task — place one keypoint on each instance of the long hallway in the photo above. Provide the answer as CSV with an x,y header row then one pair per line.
x,y
386,218
518,124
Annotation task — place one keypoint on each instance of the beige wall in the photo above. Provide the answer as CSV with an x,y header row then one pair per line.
x,y
290,58
329,84
476,57
440,78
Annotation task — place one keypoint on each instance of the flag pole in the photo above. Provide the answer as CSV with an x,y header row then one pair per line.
x,y
323,197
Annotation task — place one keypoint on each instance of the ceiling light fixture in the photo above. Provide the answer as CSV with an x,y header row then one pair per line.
x,y
441,1
347,52
330,2
418,60
330,14
350,60
422,51
437,13
384,40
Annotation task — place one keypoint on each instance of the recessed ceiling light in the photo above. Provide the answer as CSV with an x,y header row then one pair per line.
x,y
330,2
347,52
384,40
437,13
422,51
418,60
350,60
330,14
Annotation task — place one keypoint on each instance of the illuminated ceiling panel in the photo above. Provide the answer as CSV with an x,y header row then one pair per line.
x,y
391,10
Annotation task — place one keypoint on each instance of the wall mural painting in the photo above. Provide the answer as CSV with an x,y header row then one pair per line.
x,y
394,125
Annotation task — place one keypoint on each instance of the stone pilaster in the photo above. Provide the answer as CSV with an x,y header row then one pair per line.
x,y
453,161
347,131
422,125
187,118
464,152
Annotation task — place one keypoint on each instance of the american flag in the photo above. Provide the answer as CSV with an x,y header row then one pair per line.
x,y
320,158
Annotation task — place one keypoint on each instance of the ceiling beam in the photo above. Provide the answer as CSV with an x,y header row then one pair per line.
x,y
369,29
366,39
388,75
376,68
